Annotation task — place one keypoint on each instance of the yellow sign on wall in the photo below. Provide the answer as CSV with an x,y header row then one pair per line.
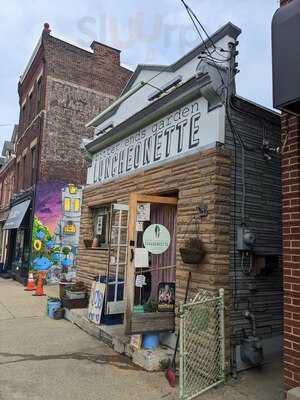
x,y
69,229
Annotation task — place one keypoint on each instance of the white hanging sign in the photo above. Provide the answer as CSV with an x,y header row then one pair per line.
x,y
156,239
141,258
140,281
143,212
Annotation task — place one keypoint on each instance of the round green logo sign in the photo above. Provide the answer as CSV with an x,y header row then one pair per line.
x,y
156,239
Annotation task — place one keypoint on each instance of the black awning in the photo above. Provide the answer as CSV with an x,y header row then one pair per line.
x,y
16,215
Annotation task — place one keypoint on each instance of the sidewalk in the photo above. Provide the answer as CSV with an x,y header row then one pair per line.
x,y
15,303
44,359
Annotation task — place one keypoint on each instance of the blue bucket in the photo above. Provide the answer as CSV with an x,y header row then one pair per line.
x,y
52,307
151,342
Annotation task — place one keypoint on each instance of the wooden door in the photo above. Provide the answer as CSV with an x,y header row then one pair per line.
x,y
161,322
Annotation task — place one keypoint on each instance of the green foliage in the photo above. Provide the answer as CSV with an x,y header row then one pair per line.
x,y
66,250
39,227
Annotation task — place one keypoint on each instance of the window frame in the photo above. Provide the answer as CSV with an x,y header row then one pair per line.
x,y
102,211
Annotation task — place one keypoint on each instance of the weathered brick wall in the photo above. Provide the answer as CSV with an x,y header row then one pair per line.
x,y
99,70
80,84
69,107
7,177
30,135
291,245
76,86
291,248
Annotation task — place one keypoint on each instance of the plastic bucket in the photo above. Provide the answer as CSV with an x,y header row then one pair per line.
x,y
151,342
52,307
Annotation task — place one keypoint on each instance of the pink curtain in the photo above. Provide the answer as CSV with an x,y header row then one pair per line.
x,y
167,216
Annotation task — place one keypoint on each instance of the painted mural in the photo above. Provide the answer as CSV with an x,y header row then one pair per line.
x,y
55,232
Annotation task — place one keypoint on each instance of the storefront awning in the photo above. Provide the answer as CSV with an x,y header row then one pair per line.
x,y
16,215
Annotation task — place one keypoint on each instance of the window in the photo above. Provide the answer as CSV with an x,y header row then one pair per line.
x,y
24,183
39,95
1,195
30,108
18,176
23,117
33,165
76,205
67,204
101,225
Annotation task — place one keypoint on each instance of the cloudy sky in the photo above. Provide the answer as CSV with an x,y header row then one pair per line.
x,y
147,32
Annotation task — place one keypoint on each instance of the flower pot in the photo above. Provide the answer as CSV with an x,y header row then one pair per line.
x,y
88,243
191,255
95,243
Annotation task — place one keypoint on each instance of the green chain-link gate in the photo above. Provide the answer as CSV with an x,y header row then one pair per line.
x,y
202,345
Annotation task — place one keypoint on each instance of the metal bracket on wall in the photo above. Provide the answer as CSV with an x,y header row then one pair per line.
x,y
203,211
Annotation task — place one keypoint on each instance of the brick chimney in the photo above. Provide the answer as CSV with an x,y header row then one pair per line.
x,y
106,53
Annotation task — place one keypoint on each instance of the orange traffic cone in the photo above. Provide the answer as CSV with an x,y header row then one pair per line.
x,y
30,283
39,289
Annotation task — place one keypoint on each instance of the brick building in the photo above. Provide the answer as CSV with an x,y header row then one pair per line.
x,y
62,87
7,183
291,244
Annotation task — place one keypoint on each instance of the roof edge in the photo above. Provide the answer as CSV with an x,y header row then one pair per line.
x,y
228,29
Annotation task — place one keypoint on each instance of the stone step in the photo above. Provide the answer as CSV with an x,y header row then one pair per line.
x,y
114,337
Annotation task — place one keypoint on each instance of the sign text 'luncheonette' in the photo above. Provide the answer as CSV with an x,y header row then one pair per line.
x,y
168,138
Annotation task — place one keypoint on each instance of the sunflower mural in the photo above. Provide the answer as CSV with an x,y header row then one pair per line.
x,y
45,255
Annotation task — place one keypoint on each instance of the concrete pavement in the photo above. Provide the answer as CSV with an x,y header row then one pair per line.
x,y
44,359
41,358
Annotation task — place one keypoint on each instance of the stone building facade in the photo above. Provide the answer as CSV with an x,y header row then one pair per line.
x,y
207,158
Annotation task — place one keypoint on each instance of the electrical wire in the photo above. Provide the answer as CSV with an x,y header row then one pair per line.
x,y
202,27
193,17
235,134
215,59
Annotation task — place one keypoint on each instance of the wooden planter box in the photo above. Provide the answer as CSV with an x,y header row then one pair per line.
x,y
152,322
75,303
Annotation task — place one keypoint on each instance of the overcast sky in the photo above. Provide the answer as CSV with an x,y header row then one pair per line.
x,y
157,31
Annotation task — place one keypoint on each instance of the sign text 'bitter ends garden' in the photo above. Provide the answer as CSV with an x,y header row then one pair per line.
x,y
169,138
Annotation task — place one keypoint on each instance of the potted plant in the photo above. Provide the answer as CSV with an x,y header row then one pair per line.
x,y
193,251
88,243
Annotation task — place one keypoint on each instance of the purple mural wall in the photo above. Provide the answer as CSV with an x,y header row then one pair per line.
x,y
55,231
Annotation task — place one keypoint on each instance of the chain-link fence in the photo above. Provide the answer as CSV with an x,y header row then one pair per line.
x,y
202,346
